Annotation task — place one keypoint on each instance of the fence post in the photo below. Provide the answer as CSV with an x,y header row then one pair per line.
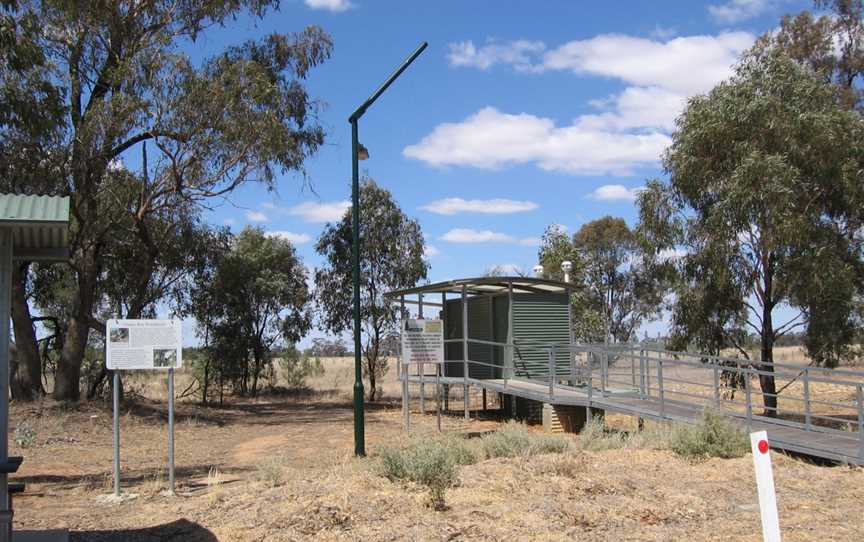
x,y
571,357
660,387
590,377
807,412
422,366
716,384
860,394
604,369
642,374
633,366
749,394
551,371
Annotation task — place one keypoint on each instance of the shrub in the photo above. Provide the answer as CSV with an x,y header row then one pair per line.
x,y
432,463
271,472
712,436
514,439
595,437
25,435
297,367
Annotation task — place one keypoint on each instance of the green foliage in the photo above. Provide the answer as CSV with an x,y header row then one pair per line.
x,y
391,257
25,435
619,289
84,84
251,297
433,463
514,440
271,471
297,367
712,436
770,218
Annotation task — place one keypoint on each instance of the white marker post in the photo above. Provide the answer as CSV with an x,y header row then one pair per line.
x,y
765,485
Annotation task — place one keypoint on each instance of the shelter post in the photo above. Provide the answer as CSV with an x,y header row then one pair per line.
x,y
406,396
422,366
465,348
5,310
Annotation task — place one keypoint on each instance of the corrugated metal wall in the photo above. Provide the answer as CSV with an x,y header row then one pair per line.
x,y
538,321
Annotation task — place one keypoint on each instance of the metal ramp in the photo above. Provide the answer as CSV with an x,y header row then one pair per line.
x,y
820,412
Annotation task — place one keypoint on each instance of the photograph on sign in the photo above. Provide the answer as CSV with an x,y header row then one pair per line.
x,y
422,341
144,344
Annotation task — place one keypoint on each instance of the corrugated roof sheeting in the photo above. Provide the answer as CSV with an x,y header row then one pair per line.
x,y
37,222
21,208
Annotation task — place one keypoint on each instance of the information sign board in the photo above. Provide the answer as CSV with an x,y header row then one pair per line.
x,y
422,341
144,344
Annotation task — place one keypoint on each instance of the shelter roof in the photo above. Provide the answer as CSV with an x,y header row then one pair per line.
x,y
39,224
488,285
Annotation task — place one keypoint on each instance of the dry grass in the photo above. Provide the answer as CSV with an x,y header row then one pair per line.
x,y
316,489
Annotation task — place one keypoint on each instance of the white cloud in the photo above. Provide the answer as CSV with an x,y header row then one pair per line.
x,y
268,205
663,32
490,139
521,54
735,11
320,212
256,216
430,251
614,192
632,126
451,206
329,5
686,65
467,235
296,238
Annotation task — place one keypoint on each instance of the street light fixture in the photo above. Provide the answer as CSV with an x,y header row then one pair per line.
x,y
359,152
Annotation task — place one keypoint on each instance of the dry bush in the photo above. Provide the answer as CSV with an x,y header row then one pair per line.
x,y
271,471
712,436
514,440
433,463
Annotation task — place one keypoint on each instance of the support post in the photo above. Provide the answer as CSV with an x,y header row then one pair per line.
x,y
716,384
642,374
438,395
5,314
633,367
860,396
511,359
422,366
116,403
465,349
406,395
807,412
604,369
660,387
171,430
551,372
749,397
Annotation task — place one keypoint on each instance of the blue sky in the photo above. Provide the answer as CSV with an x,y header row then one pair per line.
x,y
556,111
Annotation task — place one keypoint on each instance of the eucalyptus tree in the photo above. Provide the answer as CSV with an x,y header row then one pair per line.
x,y
258,297
121,69
391,257
765,198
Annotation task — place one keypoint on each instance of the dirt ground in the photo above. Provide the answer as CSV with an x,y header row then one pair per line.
x,y
281,468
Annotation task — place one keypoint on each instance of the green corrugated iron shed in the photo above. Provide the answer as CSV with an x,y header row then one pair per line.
x,y
39,225
539,320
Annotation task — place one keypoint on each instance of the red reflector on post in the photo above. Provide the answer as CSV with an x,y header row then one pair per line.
x,y
763,446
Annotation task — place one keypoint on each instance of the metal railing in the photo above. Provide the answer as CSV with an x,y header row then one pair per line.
x,y
680,385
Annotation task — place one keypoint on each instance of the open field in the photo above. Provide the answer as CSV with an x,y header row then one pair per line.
x,y
280,468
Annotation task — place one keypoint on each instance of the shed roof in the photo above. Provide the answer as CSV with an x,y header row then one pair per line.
x,y
489,285
39,224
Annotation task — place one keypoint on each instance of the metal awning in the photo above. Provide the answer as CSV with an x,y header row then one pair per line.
x,y
489,285
39,226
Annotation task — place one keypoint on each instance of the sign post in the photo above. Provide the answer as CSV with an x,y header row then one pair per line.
x,y
765,486
144,345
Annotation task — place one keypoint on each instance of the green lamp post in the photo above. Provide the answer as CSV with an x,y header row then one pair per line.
x,y
359,152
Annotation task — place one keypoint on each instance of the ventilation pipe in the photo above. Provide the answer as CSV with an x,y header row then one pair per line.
x,y
538,271
566,266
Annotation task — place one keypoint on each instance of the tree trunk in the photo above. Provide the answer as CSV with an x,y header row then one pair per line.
x,y
29,367
68,377
766,381
371,372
